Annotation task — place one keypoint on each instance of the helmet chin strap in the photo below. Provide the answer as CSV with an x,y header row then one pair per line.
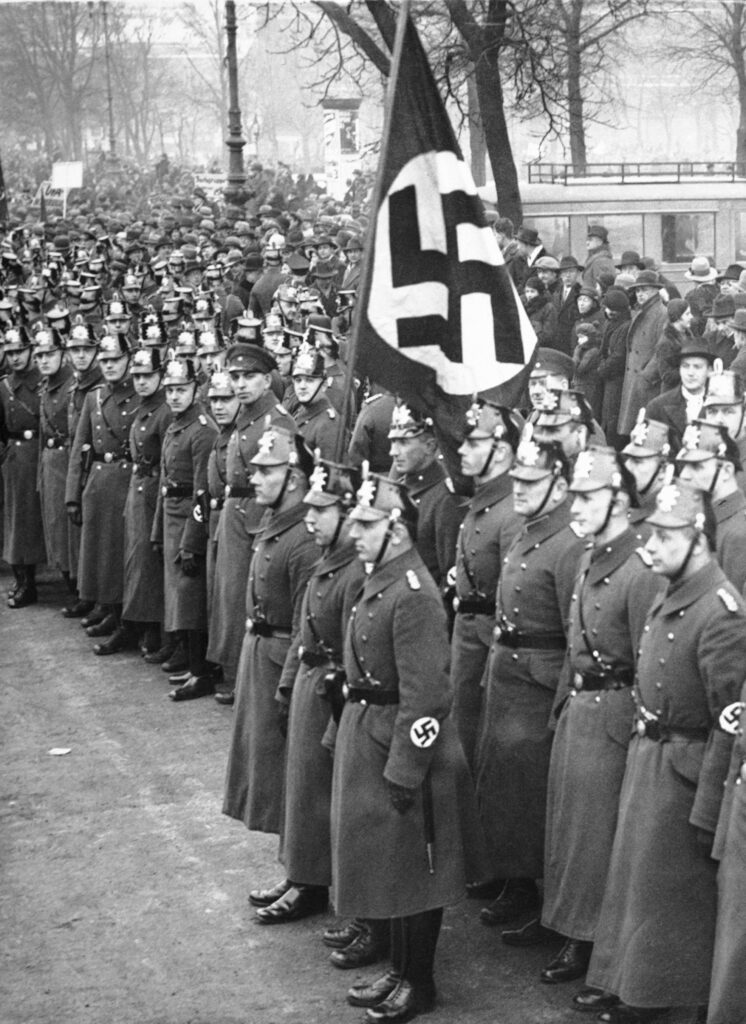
x,y
607,517
546,497
315,395
687,558
488,460
278,500
642,491
337,529
394,516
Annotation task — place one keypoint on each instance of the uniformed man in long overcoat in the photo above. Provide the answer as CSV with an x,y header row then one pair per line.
x,y
224,407
23,533
654,940
532,609
250,368
315,693
414,450
397,761
81,348
709,459
613,592
492,434
646,456
98,480
54,447
186,448
281,563
728,986
315,417
143,571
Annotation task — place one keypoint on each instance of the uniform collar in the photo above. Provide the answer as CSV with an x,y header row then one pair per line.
x,y
279,522
537,530
30,377
152,402
122,390
491,492
685,592
729,506
431,475
318,405
248,414
338,558
62,376
607,558
390,572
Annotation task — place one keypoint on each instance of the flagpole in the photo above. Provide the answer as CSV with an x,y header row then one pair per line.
x,y
375,203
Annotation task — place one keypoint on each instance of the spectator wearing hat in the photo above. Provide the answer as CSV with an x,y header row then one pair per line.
x,y
547,270
641,379
720,331
728,281
599,260
586,357
565,303
589,306
675,335
739,340
683,403
353,251
530,249
540,310
704,289
613,356
263,291
630,262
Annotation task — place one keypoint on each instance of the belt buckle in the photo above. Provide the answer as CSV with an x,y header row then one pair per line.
x,y
164,491
227,491
108,457
27,435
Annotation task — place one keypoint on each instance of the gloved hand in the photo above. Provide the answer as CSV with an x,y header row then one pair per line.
x,y
188,562
283,715
74,513
401,796
705,841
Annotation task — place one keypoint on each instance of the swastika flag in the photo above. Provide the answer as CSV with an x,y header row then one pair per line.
x,y
438,316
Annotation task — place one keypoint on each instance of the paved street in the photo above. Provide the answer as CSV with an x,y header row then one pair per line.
x,y
124,888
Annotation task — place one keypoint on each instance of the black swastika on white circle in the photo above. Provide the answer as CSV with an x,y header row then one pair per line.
x,y
424,732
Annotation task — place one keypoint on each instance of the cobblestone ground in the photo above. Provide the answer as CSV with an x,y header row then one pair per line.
x,y
123,898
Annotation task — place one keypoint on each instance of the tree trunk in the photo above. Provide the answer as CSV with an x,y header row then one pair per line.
x,y
497,138
575,100
477,144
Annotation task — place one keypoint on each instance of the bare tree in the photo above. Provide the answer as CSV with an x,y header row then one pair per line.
x,y
708,47
48,55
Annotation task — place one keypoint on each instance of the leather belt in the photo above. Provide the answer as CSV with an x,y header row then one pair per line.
x,y
473,606
379,697
22,435
591,682
313,659
655,730
260,628
52,442
110,457
537,641
177,491
239,492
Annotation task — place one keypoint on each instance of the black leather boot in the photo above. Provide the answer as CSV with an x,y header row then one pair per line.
x,y
97,614
17,578
415,993
105,626
178,662
372,993
520,896
26,593
371,944
123,638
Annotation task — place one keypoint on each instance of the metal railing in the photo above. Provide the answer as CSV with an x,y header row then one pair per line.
x,y
637,173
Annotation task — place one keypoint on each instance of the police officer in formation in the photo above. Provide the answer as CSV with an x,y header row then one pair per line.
x,y
574,749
